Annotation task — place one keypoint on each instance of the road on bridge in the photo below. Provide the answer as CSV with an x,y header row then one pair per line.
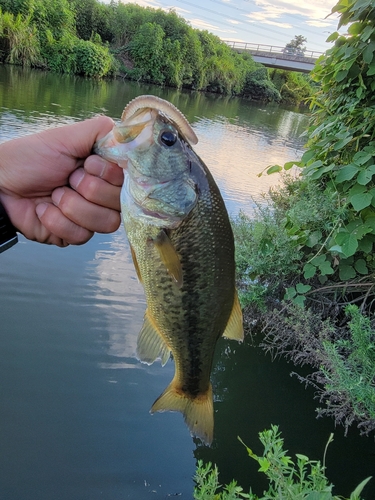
x,y
278,57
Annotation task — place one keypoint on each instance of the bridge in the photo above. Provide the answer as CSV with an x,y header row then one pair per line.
x,y
273,56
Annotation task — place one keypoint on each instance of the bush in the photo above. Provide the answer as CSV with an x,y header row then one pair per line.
x,y
289,480
343,359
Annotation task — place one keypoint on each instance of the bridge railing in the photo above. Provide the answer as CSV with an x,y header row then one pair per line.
x,y
275,51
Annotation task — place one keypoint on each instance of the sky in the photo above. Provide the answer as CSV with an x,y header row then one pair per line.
x,y
273,22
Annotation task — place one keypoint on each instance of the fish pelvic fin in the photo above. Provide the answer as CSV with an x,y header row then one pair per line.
x,y
234,328
169,256
150,343
198,411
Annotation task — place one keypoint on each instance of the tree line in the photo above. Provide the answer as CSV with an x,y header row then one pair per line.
x,y
89,38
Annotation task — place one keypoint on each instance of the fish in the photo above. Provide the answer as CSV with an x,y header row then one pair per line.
x,y
182,248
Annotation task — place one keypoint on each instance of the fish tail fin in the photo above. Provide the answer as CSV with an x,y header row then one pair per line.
x,y
198,412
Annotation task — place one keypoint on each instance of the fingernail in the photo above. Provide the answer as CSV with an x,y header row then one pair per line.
x,y
40,209
57,195
76,178
97,165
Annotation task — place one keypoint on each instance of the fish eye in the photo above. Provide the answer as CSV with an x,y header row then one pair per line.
x,y
168,138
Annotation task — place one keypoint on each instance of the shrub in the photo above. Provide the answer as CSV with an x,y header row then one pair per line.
x,y
289,480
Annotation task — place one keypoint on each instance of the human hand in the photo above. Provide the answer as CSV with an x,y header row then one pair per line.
x,y
54,190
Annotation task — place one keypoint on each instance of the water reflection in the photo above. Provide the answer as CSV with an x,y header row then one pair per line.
x,y
120,298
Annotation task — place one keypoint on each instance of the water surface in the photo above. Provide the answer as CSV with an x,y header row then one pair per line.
x,y
74,401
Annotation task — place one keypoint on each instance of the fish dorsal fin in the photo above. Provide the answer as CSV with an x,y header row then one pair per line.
x,y
169,256
234,328
150,343
135,262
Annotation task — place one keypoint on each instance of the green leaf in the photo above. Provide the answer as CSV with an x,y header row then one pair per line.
x,y
360,201
357,189
291,164
333,36
318,260
342,143
371,70
313,238
299,300
341,75
290,293
355,28
274,169
362,157
346,272
308,271
307,156
366,33
368,53
326,268
264,464
355,494
364,177
346,173
360,266
348,243
336,249
301,288
318,495
365,245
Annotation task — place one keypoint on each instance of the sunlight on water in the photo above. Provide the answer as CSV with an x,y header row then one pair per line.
x,y
236,154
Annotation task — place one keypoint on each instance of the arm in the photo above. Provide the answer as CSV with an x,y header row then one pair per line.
x,y
54,191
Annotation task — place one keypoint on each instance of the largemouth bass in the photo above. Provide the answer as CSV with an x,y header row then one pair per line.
x,y
183,251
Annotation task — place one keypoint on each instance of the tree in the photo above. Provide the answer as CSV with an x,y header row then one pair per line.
x,y
296,46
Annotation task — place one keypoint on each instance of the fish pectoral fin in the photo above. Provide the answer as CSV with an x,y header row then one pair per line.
x,y
234,328
150,343
198,412
135,262
169,256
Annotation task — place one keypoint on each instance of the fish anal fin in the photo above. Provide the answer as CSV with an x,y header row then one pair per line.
x,y
169,256
198,411
150,343
234,328
135,262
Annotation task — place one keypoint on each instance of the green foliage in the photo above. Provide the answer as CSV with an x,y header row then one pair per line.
x,y
46,37
19,43
353,376
259,86
150,45
341,148
295,88
296,46
289,480
284,235
343,358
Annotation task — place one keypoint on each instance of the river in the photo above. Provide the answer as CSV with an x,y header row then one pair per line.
x,y
74,400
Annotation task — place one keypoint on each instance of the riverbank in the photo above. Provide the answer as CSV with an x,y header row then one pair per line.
x,y
98,40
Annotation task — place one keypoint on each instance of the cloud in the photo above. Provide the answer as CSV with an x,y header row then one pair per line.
x,y
202,25
319,24
278,12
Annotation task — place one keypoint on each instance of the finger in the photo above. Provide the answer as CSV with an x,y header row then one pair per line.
x,y
96,190
59,230
81,136
110,172
84,213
